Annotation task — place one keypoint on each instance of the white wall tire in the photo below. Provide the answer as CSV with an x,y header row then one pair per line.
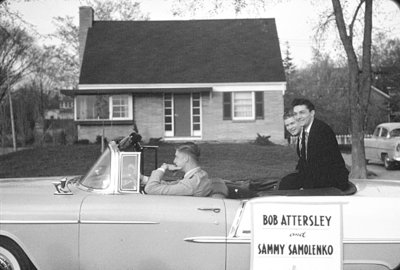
x,y
387,163
8,260
12,257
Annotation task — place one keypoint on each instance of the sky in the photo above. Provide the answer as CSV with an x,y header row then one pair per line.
x,y
295,20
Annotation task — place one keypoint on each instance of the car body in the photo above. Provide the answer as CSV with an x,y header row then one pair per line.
x,y
384,145
104,221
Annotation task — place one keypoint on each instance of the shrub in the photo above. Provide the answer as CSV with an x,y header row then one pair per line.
x,y
263,140
47,138
98,140
155,141
83,141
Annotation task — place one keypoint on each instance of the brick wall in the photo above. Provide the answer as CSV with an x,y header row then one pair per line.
x,y
215,128
149,115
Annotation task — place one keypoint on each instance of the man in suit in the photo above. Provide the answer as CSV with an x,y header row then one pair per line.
x,y
320,164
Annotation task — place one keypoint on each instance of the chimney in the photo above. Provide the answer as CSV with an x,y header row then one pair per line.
x,y
86,15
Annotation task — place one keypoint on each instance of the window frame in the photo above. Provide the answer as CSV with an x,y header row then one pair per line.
x,y
194,132
111,108
110,117
257,106
253,107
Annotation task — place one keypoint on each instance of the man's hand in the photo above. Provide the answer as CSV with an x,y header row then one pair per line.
x,y
170,167
143,179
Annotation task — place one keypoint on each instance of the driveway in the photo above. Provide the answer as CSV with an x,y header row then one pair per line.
x,y
377,169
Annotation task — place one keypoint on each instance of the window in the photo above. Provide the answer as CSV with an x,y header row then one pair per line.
x,y
168,119
120,107
384,132
395,133
104,107
129,173
243,105
227,105
196,114
376,132
99,176
259,105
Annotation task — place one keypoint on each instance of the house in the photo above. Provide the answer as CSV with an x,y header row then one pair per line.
x,y
209,80
378,108
65,109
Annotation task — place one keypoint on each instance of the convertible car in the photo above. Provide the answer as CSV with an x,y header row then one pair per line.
x,y
104,220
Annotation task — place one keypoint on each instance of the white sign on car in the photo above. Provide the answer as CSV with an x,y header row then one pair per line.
x,y
296,235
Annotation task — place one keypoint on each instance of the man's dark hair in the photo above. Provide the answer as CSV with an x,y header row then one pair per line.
x,y
303,101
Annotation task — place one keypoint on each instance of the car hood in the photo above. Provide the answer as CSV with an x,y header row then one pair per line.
x,y
34,200
28,185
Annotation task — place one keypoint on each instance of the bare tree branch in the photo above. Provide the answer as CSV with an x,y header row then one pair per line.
x,y
351,26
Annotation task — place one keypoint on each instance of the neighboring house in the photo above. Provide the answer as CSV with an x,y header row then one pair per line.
x,y
65,109
378,109
210,80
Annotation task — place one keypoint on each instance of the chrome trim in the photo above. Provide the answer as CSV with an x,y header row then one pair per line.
x,y
237,219
371,241
217,240
237,240
118,222
215,210
39,221
370,262
76,222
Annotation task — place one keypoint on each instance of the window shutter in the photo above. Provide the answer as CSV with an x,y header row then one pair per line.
x,y
259,105
227,105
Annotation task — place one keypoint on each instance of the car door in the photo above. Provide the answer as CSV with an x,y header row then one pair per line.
x,y
136,231
371,150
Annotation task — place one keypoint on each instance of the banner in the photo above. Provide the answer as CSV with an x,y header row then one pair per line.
x,y
296,236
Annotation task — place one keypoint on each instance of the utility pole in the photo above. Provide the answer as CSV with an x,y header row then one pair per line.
x,y
12,120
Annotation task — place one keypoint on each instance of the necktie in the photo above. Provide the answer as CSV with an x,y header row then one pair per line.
x,y
303,145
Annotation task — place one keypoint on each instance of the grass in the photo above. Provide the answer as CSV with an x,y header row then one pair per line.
x,y
228,161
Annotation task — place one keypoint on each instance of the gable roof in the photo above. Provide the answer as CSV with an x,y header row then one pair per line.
x,y
194,51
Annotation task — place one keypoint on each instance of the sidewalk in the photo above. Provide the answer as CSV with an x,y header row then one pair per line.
x,y
6,150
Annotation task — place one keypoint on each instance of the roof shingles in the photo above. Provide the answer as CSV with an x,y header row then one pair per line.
x,y
195,51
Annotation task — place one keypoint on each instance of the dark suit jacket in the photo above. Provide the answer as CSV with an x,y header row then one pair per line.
x,y
324,166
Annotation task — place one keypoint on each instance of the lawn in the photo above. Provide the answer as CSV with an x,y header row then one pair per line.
x,y
238,161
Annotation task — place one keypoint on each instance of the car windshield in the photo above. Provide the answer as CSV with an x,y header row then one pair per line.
x,y
99,175
395,133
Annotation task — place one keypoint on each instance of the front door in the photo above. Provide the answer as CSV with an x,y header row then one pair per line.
x,y
182,115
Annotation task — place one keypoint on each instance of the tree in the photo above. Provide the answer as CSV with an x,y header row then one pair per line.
x,y
117,10
386,70
359,79
16,54
288,65
65,55
322,81
213,8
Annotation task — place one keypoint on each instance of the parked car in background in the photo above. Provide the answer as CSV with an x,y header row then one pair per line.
x,y
104,220
384,145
